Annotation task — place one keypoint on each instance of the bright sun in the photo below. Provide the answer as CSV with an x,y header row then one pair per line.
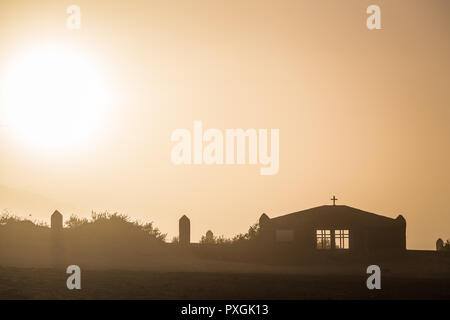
x,y
53,98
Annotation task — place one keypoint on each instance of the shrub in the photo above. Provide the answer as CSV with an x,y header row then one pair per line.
x,y
116,219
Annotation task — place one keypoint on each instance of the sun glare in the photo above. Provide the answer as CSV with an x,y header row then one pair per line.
x,y
53,98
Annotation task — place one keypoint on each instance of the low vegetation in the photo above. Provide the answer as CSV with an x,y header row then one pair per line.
x,y
117,219
7,218
252,234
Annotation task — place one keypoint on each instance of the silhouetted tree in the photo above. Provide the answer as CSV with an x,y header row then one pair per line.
x,y
116,219
252,234
222,240
253,231
208,238
7,218
151,230
447,245
75,222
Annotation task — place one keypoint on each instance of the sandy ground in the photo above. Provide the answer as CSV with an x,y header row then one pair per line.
x,y
226,280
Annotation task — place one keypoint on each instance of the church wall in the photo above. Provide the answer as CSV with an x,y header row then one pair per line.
x,y
362,239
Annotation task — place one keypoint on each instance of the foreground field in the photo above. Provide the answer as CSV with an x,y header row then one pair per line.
x,y
20,283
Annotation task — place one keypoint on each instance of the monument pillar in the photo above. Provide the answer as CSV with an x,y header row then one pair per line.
x,y
184,230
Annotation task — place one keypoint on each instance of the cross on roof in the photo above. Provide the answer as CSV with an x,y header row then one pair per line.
x,y
334,200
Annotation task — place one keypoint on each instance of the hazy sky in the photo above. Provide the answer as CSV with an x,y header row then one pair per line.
x,y
362,114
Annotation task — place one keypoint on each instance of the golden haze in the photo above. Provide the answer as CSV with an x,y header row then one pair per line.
x,y
362,114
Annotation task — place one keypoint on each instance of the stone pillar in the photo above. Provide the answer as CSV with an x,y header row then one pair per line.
x,y
266,234
57,240
439,244
402,223
209,237
263,220
184,230
57,221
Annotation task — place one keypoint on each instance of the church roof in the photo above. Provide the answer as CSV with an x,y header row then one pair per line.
x,y
334,213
